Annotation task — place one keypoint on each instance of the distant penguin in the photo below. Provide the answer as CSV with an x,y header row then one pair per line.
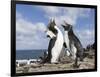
x,y
55,43
73,43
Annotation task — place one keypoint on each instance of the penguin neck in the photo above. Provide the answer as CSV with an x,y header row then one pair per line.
x,y
66,32
56,28
70,32
59,34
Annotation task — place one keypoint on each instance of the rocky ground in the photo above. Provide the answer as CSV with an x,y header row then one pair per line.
x,y
66,64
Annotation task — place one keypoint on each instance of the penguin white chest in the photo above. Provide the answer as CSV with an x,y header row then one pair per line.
x,y
74,51
57,48
66,38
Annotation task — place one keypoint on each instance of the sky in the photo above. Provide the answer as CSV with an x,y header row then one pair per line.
x,y
32,21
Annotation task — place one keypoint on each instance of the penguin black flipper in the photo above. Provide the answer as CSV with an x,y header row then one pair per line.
x,y
65,45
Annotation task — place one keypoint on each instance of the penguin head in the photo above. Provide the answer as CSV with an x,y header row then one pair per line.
x,y
51,30
66,26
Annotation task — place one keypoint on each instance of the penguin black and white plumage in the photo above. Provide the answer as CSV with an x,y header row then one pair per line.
x,y
73,43
55,43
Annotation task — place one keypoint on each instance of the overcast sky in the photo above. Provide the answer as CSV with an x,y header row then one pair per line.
x,y
32,20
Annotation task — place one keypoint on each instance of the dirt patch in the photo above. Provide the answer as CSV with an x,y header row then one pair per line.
x,y
88,63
